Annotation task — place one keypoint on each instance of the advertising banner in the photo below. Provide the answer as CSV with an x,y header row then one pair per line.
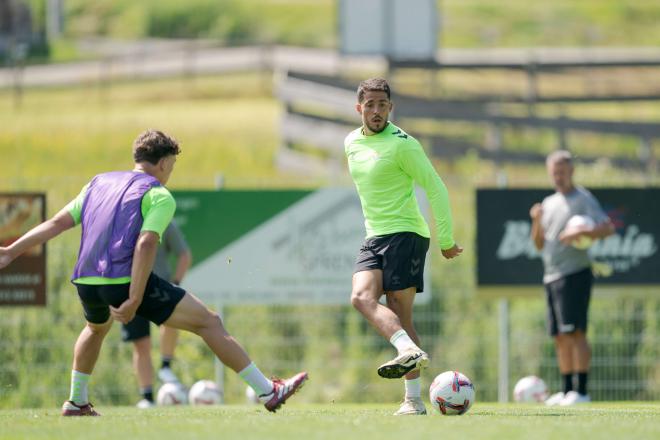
x,y
507,256
24,281
273,247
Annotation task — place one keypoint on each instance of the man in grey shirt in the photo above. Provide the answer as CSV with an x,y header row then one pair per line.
x,y
138,330
567,272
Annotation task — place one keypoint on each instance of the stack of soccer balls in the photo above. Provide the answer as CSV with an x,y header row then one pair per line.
x,y
203,392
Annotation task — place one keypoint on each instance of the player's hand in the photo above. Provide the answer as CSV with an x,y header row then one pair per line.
x,y
536,211
125,312
452,252
5,257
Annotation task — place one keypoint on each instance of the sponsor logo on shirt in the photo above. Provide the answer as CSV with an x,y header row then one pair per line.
x,y
400,134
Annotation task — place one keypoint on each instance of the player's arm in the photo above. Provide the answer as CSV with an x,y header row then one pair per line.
x,y
537,233
36,236
416,164
66,218
158,208
144,256
174,243
183,263
603,227
602,230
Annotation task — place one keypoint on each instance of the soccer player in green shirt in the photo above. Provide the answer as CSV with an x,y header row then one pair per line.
x,y
385,163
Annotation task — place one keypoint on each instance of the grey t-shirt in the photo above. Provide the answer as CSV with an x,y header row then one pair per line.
x,y
559,259
172,243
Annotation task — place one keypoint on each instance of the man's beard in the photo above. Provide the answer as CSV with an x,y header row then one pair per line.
x,y
376,130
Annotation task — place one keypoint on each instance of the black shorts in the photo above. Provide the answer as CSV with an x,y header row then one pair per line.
x,y
568,302
160,299
138,328
400,256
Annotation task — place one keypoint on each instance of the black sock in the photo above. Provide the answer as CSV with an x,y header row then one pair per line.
x,y
568,382
582,383
165,362
148,394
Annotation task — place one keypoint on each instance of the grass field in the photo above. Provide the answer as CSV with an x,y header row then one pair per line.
x,y
330,421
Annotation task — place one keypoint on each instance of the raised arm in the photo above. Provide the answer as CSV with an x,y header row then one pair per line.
x,y
38,235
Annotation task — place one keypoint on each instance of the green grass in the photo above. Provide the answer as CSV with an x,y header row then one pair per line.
x,y
330,421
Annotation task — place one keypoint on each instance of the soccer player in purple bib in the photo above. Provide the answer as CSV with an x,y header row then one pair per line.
x,y
385,162
123,215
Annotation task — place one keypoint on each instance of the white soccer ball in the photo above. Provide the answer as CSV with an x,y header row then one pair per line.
x,y
578,221
530,389
172,394
204,392
451,393
251,396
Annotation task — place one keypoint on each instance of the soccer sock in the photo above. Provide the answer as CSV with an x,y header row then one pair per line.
x,y
79,383
147,393
256,379
568,382
413,388
582,383
402,341
166,361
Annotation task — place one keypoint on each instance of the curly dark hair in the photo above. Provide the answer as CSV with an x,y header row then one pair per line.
x,y
373,85
152,145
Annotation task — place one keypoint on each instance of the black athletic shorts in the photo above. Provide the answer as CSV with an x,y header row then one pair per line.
x,y
160,299
138,328
400,256
568,302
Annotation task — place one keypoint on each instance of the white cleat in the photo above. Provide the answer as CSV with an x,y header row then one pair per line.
x,y
555,399
404,363
145,404
166,375
411,407
574,398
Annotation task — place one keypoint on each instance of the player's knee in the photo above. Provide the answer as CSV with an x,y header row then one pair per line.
x,y
360,299
99,329
210,319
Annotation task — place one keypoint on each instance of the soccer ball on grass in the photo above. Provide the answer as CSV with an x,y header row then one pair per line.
x,y
451,393
530,389
172,394
204,392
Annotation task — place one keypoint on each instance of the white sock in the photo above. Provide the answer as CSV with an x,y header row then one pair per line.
x,y
402,341
79,381
256,379
413,388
